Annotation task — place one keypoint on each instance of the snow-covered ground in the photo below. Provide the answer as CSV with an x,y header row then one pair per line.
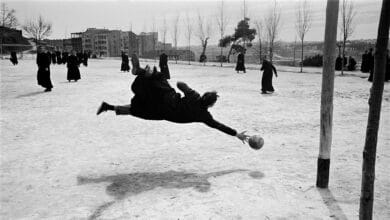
x,y
61,161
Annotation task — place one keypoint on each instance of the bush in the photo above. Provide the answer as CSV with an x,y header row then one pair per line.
x,y
313,60
221,59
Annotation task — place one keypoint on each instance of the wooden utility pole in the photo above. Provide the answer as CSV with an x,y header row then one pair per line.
x,y
375,102
323,162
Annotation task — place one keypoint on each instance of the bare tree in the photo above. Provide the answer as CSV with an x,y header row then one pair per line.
x,y
347,15
303,23
189,35
203,33
175,33
272,25
295,48
374,115
37,29
164,31
8,18
222,23
259,30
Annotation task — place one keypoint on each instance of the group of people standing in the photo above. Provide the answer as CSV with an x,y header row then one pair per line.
x,y
46,58
62,58
350,63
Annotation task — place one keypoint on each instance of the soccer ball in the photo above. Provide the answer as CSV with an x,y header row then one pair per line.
x,y
256,142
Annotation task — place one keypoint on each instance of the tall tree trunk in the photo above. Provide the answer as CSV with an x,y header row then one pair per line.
x,y
295,42
301,55
271,54
189,52
260,50
204,45
326,118
221,56
176,54
375,102
342,58
230,52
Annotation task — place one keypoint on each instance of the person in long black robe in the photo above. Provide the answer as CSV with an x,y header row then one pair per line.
x,y
351,64
65,56
364,66
370,62
155,99
163,64
14,58
49,55
338,63
79,57
266,80
85,58
125,63
58,56
43,75
73,67
240,66
53,57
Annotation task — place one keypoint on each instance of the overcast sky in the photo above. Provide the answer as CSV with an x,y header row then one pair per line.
x,y
69,16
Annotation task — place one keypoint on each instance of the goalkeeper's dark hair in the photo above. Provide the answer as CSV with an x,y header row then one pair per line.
x,y
209,99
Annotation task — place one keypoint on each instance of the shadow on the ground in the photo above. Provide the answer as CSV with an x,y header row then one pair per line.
x,y
134,183
334,208
123,185
30,94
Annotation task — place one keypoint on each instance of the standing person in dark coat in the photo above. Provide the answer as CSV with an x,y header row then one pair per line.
x,y
370,62
125,62
338,63
364,66
53,57
80,57
43,76
14,58
240,66
163,64
85,58
73,67
266,81
351,64
64,57
155,99
49,55
58,56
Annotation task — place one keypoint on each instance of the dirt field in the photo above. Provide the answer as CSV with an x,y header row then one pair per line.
x,y
61,161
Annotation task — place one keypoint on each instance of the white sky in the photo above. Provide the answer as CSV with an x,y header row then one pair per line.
x,y
69,16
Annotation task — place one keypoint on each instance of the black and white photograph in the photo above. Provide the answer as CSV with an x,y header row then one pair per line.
x,y
185,109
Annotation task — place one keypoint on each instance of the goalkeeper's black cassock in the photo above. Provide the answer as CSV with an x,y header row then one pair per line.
x,y
155,99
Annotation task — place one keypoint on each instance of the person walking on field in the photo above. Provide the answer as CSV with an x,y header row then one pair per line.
x,y
240,66
163,64
364,65
266,81
155,99
14,58
73,67
85,59
43,75
125,63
